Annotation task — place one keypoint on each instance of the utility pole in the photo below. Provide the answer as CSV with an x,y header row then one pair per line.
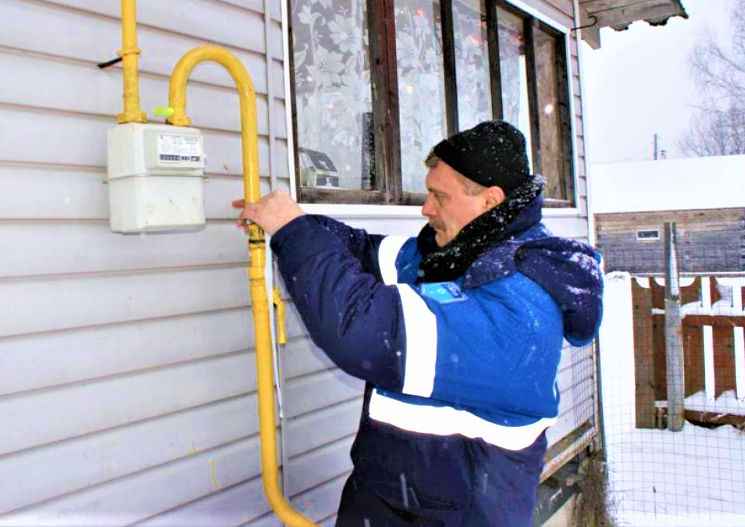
x,y
673,335
655,146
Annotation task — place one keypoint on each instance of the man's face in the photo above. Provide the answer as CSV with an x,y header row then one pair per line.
x,y
448,208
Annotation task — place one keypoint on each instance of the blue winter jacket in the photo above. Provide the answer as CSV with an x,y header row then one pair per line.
x,y
476,356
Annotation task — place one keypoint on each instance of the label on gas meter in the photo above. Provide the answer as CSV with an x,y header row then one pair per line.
x,y
179,148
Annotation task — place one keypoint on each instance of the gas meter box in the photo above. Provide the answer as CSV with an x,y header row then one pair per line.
x,y
155,177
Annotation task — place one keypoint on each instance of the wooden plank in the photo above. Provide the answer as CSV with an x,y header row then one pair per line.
x,y
565,6
38,305
77,139
724,321
560,446
208,107
495,72
612,13
716,419
557,10
48,416
569,453
449,66
322,427
128,500
603,5
724,359
41,474
643,356
43,361
98,38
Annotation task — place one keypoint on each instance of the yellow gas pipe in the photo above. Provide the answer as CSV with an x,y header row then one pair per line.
x,y
256,241
257,251
129,54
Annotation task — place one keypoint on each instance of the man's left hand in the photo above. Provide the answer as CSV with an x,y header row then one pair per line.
x,y
271,212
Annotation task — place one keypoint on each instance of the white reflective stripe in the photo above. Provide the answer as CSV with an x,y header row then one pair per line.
x,y
387,252
446,421
421,343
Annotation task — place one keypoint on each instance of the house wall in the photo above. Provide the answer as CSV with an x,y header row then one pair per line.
x,y
128,391
710,240
127,378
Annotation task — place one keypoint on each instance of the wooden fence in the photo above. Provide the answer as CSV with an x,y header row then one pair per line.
x,y
714,345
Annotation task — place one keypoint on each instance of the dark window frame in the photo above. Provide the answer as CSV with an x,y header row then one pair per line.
x,y
647,235
384,87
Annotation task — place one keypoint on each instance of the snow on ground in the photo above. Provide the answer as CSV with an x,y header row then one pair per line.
x,y
667,184
658,478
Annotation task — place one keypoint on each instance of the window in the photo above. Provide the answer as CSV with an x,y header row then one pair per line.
x,y
367,110
333,102
421,86
650,235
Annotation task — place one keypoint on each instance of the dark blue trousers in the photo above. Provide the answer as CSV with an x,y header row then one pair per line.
x,y
402,478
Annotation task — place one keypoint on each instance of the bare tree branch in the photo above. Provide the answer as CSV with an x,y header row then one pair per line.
x,y
718,128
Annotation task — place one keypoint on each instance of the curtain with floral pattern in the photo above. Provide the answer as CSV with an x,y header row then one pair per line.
x,y
332,88
421,91
471,63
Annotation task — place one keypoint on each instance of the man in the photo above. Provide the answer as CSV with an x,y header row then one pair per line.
x,y
458,333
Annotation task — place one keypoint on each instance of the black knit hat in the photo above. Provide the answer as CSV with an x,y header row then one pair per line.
x,y
491,153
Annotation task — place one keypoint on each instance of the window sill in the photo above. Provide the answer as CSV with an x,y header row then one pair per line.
x,y
401,211
364,211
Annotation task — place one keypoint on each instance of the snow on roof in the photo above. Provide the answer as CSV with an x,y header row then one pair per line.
x,y
672,184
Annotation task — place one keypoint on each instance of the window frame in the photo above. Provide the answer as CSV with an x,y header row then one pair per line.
x,y
654,238
386,118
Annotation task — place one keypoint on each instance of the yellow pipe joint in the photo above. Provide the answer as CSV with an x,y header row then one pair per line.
x,y
130,75
257,251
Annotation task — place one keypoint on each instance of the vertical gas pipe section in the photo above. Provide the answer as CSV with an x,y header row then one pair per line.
x,y
257,251
129,54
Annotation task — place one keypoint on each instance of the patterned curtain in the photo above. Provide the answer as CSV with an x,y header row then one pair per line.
x,y
471,63
420,86
332,86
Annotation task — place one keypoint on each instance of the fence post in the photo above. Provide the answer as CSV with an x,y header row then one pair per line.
x,y
673,334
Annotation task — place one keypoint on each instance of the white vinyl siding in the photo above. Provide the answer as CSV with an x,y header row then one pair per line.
x,y
127,368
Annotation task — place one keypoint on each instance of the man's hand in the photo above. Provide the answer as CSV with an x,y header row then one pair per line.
x,y
271,212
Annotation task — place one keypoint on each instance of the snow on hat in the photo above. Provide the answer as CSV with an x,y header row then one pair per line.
x,y
491,154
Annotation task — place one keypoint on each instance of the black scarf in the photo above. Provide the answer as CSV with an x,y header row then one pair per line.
x,y
442,264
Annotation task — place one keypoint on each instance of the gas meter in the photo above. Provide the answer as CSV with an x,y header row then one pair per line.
x,y
155,177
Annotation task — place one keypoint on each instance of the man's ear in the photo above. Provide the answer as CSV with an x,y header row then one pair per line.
x,y
493,196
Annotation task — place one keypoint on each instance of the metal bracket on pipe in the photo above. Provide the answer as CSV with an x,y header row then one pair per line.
x,y
103,65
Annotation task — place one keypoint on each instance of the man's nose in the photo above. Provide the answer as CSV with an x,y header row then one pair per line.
x,y
428,209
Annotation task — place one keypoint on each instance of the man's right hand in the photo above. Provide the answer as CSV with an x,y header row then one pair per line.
x,y
271,212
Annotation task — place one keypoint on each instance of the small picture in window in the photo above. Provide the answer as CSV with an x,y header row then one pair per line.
x,y
317,169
